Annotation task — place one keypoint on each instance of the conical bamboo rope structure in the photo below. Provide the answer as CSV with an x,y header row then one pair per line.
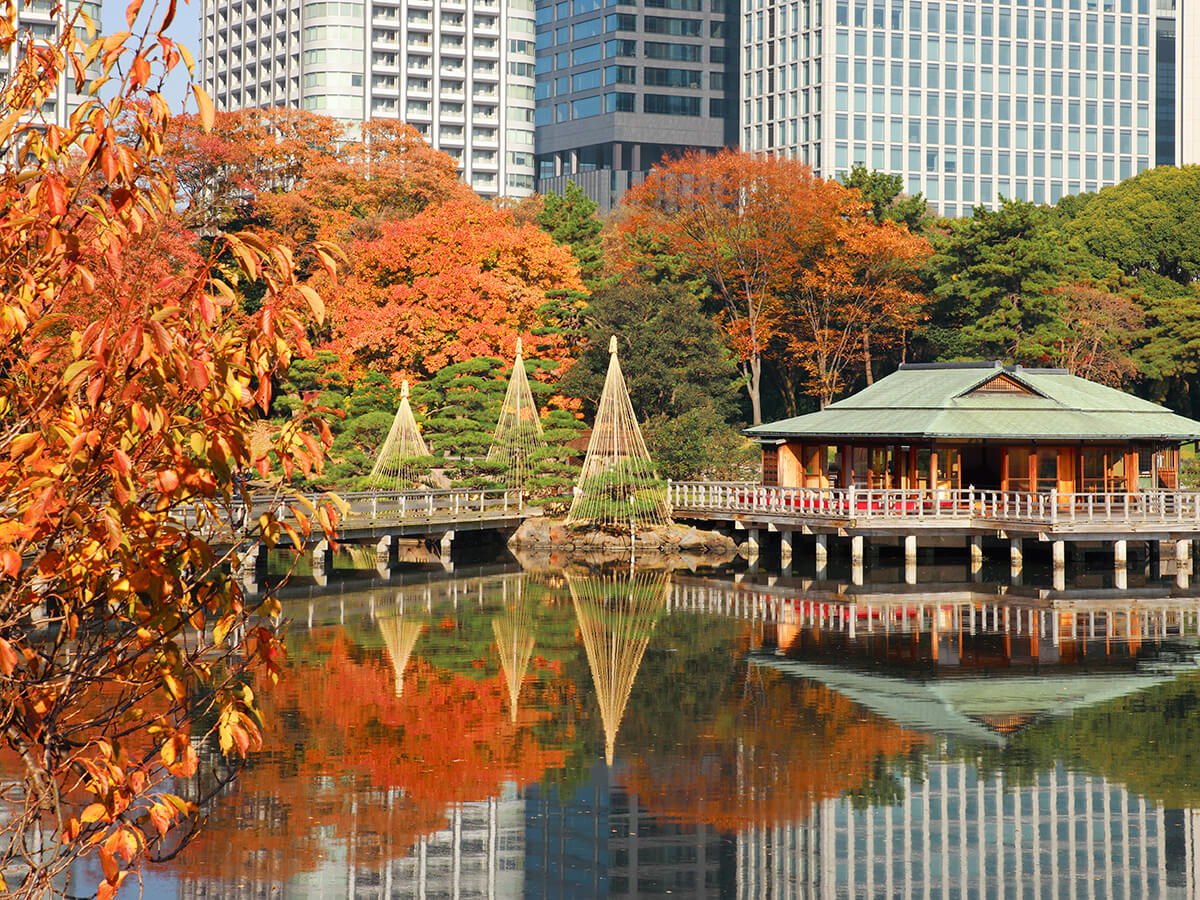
x,y
618,488
394,466
519,430
400,637
515,642
616,615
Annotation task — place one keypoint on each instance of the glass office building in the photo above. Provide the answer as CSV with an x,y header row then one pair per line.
x,y
459,71
1032,99
623,83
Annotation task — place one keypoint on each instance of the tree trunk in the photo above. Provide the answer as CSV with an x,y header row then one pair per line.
x,y
754,386
866,341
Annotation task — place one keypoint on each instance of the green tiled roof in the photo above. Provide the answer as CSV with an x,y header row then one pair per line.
x,y
940,401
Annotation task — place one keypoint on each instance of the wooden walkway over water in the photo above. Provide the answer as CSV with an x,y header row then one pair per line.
x,y
941,516
383,518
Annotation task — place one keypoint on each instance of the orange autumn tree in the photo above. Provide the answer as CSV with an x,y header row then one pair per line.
x,y
457,281
401,759
740,221
127,395
770,756
863,285
305,176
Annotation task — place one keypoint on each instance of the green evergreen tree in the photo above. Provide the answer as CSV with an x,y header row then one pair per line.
x,y
672,354
459,406
570,218
995,275
883,192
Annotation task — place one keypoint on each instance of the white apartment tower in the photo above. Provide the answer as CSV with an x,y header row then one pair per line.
x,y
41,22
460,71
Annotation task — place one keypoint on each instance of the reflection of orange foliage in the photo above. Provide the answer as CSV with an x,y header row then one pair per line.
x,y
362,765
785,747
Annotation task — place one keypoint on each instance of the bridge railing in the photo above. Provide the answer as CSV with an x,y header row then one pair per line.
x,y
383,507
1052,507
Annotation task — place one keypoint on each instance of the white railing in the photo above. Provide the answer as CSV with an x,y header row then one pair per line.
x,y
369,508
859,504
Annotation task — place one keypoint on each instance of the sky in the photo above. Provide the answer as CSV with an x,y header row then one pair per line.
x,y
185,29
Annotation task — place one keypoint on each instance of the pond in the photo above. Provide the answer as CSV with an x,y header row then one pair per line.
x,y
506,733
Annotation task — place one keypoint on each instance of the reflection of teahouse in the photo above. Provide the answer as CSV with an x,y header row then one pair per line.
x,y
981,425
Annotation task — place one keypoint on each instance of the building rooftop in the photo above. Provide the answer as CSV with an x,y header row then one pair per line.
x,y
986,400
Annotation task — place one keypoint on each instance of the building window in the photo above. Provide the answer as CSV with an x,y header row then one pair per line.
x,y
680,78
671,105
672,26
618,102
677,52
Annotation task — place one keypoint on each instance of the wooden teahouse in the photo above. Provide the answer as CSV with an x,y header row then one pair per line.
x,y
984,426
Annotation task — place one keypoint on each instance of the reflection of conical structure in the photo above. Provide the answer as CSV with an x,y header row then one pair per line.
x,y
514,641
519,430
616,617
399,637
395,466
618,487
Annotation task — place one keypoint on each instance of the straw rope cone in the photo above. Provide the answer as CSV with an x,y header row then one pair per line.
x,y
519,430
617,615
515,642
618,487
394,466
400,637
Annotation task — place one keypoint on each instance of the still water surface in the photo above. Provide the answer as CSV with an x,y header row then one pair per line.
x,y
499,733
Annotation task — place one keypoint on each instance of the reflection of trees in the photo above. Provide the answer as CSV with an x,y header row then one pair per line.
x,y
768,756
367,767
1148,741
617,615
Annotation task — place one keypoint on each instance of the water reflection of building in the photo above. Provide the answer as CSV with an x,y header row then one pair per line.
x,y
480,853
958,834
600,841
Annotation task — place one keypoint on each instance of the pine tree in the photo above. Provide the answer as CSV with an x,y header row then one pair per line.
x,y
570,218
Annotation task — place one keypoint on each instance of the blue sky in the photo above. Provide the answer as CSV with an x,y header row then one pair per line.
x,y
185,29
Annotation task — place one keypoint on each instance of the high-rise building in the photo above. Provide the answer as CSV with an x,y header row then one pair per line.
x,y
971,99
42,22
623,83
460,71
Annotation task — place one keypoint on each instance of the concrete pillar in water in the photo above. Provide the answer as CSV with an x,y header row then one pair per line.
x,y
386,555
785,552
322,562
857,543
752,543
910,559
1183,563
254,568
822,556
975,542
1120,564
1016,560
445,545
